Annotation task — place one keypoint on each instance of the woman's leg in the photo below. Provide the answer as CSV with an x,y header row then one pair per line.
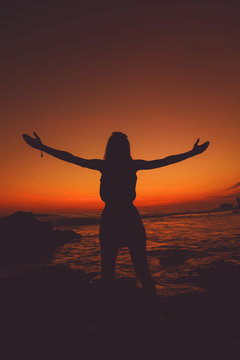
x,y
139,258
108,260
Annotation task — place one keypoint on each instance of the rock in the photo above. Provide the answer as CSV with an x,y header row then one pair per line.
x,y
23,238
172,257
220,277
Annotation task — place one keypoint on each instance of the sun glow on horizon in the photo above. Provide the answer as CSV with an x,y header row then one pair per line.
x,y
162,74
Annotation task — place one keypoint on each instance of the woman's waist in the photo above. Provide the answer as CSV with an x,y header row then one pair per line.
x,y
119,204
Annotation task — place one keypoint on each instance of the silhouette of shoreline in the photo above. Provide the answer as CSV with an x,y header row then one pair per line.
x,y
72,218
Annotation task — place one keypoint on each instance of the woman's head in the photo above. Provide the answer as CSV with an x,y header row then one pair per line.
x,y
118,147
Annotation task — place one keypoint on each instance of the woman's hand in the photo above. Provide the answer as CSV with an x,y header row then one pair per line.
x,y
198,149
33,142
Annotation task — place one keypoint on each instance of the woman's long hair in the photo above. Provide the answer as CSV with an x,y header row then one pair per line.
x,y
118,147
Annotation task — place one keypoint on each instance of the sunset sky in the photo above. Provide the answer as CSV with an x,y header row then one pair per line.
x,y
163,72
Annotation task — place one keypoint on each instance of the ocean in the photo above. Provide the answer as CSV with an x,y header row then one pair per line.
x,y
179,247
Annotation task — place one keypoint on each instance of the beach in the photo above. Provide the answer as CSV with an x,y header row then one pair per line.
x,y
49,308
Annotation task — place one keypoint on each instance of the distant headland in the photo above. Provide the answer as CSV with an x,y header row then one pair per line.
x,y
229,206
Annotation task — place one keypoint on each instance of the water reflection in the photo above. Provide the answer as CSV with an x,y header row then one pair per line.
x,y
177,245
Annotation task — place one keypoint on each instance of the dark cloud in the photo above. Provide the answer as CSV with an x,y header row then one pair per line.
x,y
218,196
236,186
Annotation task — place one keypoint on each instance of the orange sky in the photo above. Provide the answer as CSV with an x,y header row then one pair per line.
x,y
163,74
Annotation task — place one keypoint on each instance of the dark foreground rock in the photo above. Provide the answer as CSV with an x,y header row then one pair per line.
x,y
23,238
53,313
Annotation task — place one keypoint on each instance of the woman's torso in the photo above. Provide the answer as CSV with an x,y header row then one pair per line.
x,y
118,183
121,224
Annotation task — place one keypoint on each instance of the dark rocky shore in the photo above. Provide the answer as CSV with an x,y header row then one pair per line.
x,y
53,312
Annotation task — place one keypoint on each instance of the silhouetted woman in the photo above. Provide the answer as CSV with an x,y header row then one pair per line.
x,y
121,225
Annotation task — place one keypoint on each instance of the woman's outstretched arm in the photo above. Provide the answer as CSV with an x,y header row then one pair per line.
x,y
95,164
154,164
